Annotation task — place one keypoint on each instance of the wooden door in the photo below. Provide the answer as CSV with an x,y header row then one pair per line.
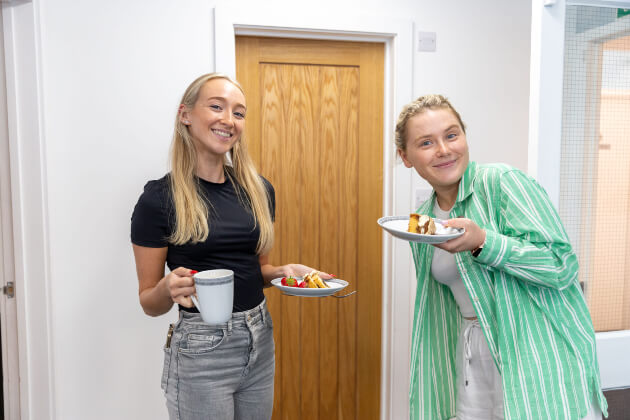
x,y
315,129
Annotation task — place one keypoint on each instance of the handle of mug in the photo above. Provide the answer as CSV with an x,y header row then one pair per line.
x,y
196,302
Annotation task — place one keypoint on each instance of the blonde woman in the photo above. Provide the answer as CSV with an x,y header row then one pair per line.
x,y
208,214
501,328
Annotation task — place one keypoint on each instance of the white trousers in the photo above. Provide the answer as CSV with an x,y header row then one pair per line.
x,y
479,385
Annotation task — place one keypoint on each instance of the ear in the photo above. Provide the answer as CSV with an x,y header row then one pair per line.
x,y
403,156
184,116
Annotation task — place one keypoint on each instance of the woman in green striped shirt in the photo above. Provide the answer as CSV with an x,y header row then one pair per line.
x,y
501,328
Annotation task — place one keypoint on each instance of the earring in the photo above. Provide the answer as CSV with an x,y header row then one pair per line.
x,y
186,122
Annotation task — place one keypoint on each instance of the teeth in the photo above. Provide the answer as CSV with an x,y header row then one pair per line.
x,y
222,133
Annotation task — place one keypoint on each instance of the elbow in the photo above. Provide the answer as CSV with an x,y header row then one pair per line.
x,y
567,281
562,280
569,274
561,285
150,312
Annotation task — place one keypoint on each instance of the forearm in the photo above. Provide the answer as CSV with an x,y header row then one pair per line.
x,y
156,301
551,264
270,272
530,243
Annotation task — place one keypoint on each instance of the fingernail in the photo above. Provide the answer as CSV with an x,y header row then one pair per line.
x,y
193,271
332,275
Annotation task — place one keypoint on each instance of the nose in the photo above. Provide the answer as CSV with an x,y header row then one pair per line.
x,y
442,148
227,118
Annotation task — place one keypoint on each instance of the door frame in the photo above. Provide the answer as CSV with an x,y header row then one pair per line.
x,y
29,208
546,97
8,307
397,36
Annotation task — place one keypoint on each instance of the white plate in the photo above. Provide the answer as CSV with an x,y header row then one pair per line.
x,y
398,225
335,286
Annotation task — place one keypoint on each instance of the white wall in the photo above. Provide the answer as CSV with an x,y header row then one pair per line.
x,y
111,75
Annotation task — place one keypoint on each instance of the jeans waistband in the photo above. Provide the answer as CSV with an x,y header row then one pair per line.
x,y
249,317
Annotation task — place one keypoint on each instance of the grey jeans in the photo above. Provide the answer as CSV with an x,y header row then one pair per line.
x,y
222,372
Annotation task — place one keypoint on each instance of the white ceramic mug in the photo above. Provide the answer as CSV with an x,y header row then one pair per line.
x,y
215,291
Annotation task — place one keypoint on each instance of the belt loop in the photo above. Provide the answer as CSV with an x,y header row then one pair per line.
x,y
229,327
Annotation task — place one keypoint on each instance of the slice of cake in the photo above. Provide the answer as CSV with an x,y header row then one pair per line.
x,y
413,222
421,223
313,281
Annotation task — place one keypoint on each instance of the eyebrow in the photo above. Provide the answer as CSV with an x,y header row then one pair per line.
x,y
426,136
222,99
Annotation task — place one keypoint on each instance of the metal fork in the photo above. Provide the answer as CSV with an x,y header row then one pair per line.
x,y
343,296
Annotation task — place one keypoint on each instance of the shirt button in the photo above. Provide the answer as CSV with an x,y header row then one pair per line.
x,y
475,298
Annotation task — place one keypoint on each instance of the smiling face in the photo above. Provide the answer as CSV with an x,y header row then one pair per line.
x,y
217,119
436,148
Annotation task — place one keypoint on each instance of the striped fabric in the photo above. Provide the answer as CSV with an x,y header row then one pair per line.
x,y
525,291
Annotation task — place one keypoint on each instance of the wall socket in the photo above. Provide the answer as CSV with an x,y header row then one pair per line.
x,y
421,195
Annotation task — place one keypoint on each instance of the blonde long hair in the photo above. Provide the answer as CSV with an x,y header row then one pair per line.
x,y
192,223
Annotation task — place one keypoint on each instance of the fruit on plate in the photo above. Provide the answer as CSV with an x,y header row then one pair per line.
x,y
291,282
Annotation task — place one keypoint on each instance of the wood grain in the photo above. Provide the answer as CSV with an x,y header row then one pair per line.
x,y
370,208
274,127
328,174
308,210
319,140
348,241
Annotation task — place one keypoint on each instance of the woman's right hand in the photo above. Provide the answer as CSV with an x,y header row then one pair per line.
x,y
180,285
157,291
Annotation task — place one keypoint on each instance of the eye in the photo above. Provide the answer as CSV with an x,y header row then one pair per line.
x,y
451,136
425,143
215,107
239,115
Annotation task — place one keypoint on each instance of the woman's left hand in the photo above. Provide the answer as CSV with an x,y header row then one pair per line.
x,y
271,272
299,270
473,238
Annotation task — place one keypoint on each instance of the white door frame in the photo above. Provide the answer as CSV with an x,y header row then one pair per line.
x,y
8,308
397,35
546,85
30,248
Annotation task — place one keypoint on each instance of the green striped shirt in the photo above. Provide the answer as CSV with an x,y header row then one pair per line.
x,y
525,290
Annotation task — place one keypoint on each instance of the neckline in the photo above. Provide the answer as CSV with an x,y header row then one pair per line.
x,y
210,183
441,214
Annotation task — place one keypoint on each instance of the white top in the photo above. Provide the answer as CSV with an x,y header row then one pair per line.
x,y
444,270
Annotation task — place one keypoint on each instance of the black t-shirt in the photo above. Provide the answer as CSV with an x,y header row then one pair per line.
x,y
231,243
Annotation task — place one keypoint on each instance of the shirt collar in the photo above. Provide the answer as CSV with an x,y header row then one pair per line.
x,y
467,181
464,190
